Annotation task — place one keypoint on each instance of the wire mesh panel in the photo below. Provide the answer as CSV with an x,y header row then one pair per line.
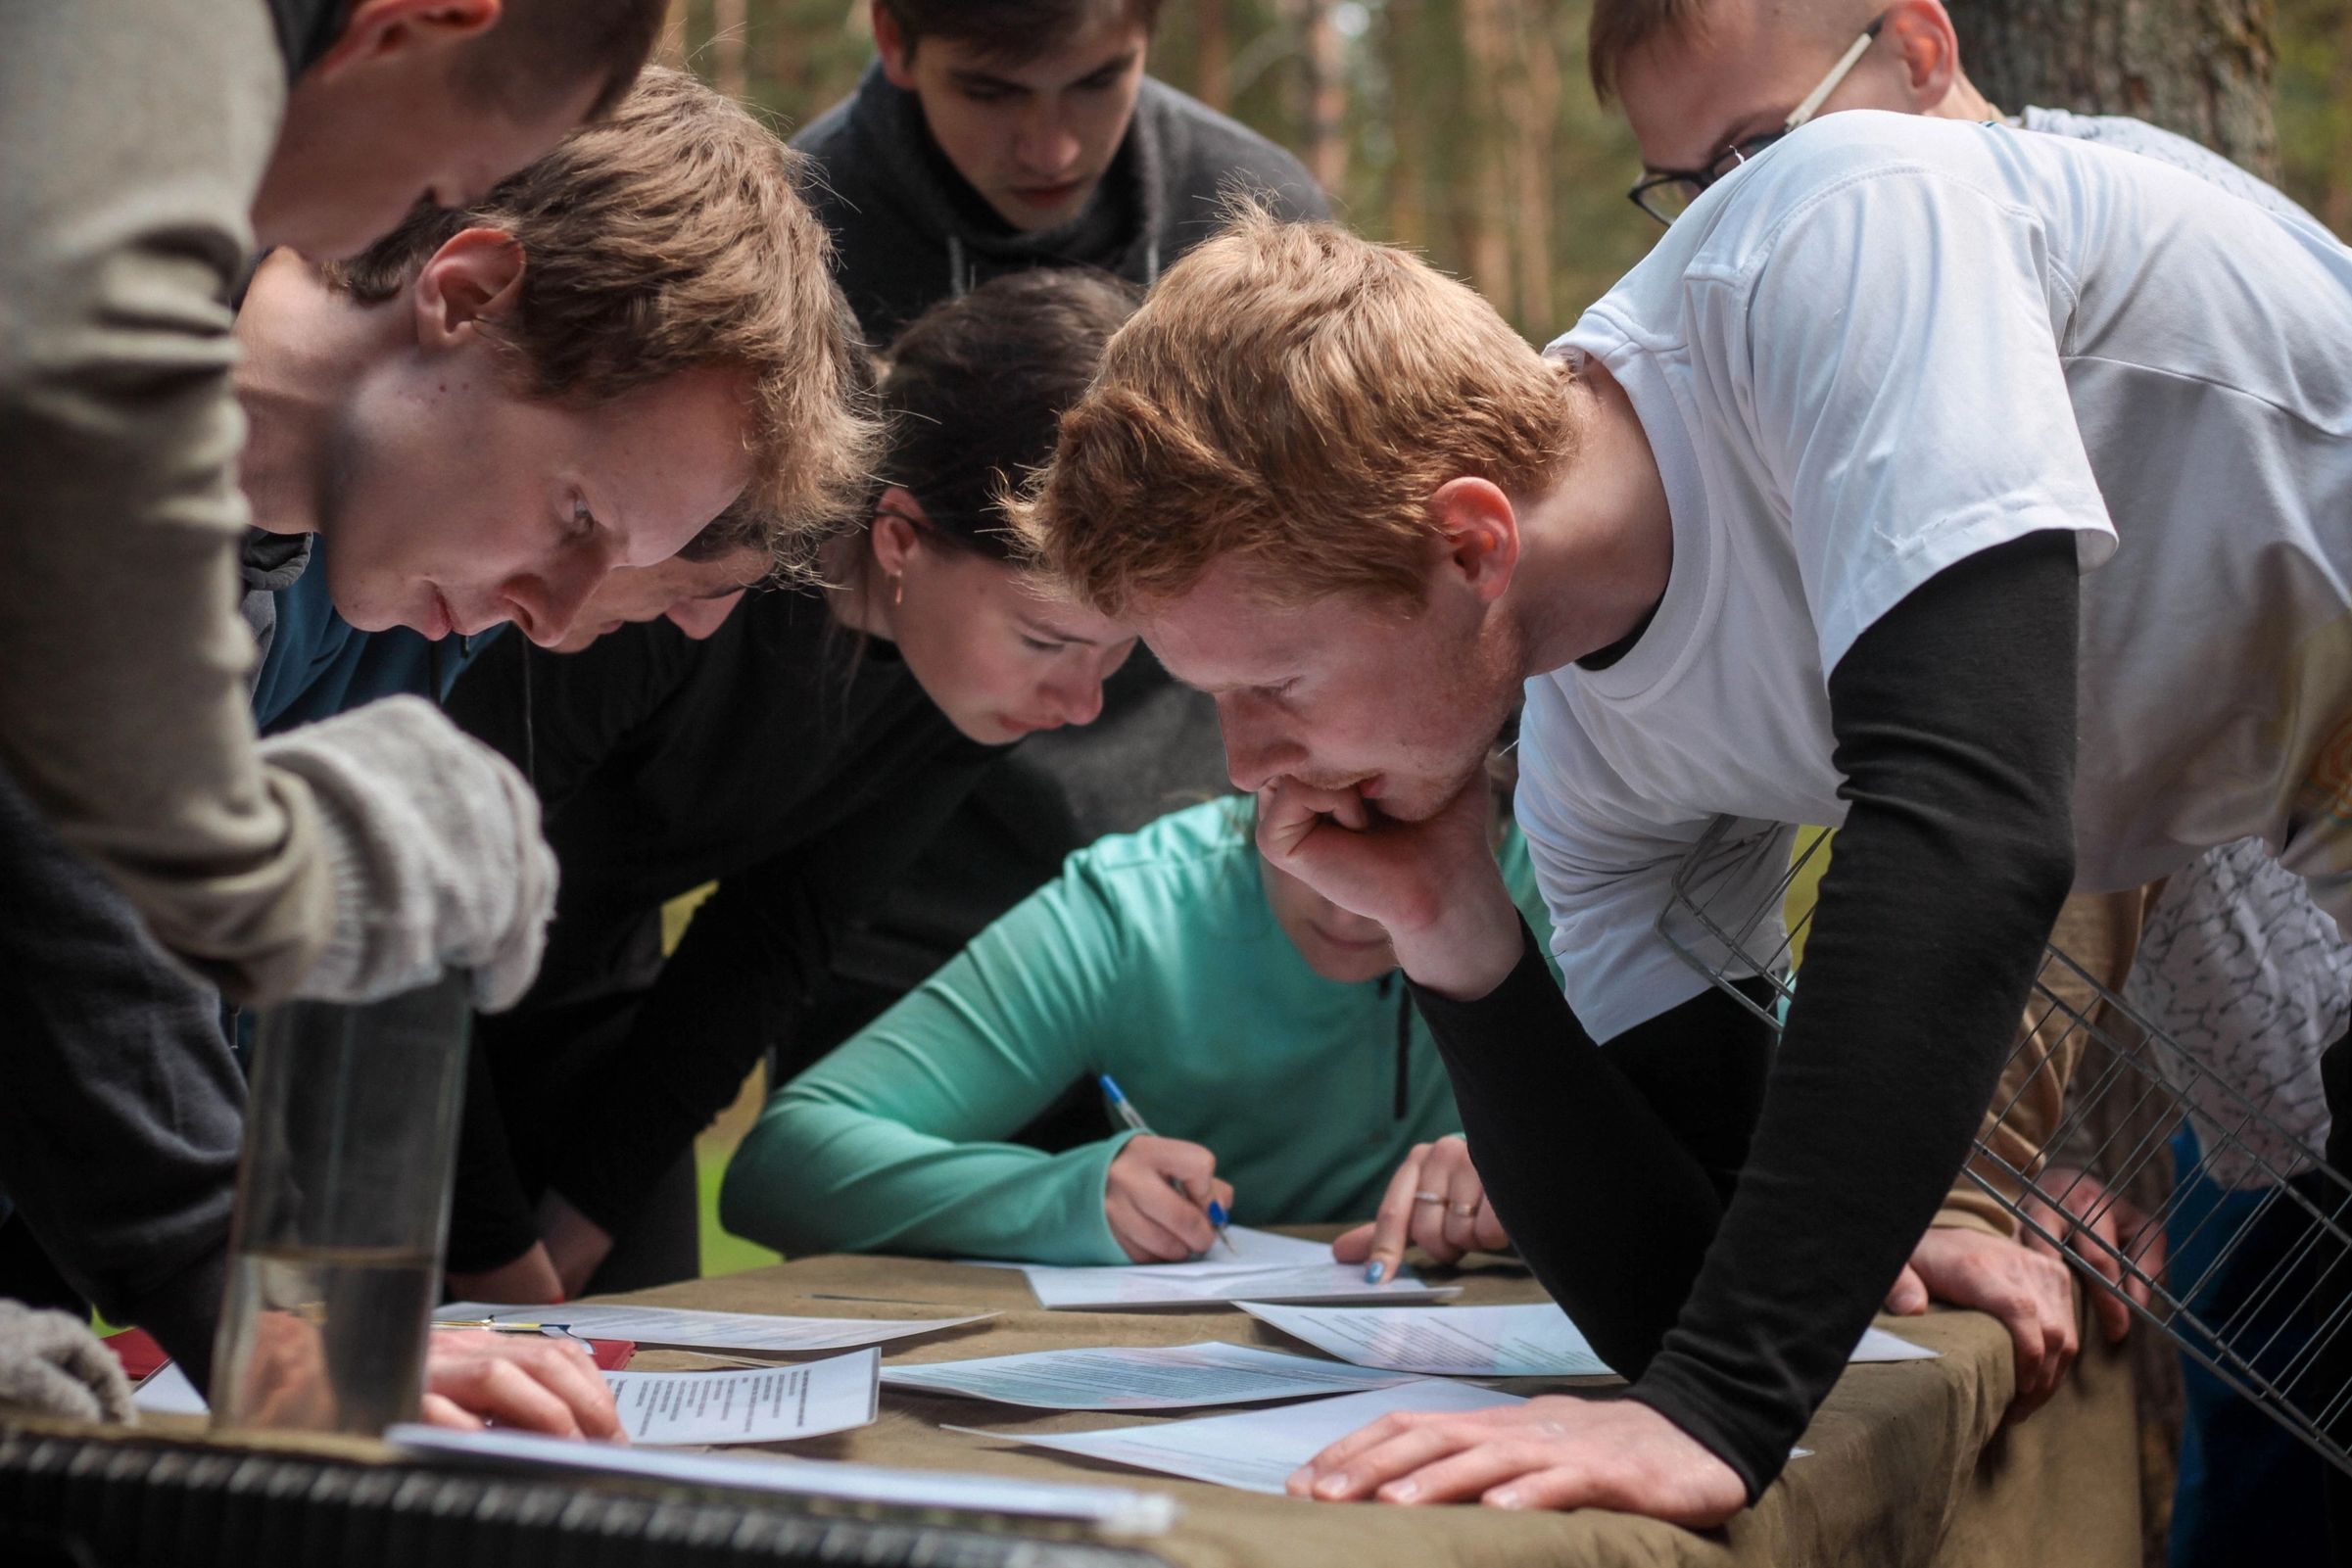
x,y
2061,1156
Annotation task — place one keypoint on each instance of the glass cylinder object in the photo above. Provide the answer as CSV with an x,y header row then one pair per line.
x,y
343,1202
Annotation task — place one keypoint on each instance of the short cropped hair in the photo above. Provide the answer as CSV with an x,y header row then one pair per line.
x,y
1013,31
1621,29
667,238
1290,394
542,50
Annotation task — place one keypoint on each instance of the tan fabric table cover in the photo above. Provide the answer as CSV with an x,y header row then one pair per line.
x,y
1910,1465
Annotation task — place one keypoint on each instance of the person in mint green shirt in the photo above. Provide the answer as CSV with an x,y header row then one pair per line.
x,y
1262,1030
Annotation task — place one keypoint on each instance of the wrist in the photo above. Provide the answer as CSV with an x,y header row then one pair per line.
x,y
1470,947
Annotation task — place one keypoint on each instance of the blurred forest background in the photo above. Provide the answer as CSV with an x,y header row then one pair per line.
x,y
1466,127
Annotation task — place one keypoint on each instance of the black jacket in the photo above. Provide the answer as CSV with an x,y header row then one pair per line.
x,y
775,758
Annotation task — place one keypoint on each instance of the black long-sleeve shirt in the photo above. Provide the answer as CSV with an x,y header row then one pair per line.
x,y
778,758
1735,1308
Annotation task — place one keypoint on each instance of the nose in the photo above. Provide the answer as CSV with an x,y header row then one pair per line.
x,y
544,604
1076,696
1256,752
1046,145
697,618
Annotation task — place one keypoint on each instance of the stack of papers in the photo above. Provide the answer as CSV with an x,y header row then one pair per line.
x,y
1155,1378
1247,1266
1113,1510
768,1405
1532,1341
1257,1451
729,1333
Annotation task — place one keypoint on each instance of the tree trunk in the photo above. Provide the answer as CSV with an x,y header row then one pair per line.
x,y
1213,56
2201,67
1323,59
730,40
1486,45
1535,112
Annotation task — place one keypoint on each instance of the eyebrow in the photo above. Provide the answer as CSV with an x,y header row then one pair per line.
x,y
1046,634
968,76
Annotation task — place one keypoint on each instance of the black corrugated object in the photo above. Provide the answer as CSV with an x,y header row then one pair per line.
x,y
116,1501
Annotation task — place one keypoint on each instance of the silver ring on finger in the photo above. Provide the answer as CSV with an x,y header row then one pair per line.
x,y
1428,1197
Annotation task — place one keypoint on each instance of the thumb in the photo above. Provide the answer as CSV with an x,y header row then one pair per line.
x,y
1908,1298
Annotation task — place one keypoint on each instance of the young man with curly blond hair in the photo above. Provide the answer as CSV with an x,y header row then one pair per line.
x,y
629,347
1880,496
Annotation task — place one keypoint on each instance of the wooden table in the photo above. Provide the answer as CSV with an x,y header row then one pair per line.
x,y
1910,1464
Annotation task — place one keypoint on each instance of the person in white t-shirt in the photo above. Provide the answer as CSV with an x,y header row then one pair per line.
x,y
2235,960
1986,495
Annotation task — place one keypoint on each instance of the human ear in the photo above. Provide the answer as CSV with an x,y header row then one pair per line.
x,y
890,42
896,533
381,31
475,277
1478,531
1928,49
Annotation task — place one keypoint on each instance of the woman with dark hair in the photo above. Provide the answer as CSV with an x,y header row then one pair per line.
x,y
800,755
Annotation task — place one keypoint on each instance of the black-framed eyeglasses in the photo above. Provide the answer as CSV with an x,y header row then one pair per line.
x,y
1665,194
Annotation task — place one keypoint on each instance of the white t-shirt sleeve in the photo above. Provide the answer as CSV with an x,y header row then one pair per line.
x,y
1608,866
1892,346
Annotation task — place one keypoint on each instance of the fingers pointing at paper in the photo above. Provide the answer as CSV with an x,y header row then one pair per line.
x,y
1157,1198
1436,1201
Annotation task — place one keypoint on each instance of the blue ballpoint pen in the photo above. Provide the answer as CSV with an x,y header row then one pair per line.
x,y
1134,1119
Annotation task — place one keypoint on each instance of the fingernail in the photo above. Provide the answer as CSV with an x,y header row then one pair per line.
x,y
1372,1272
1505,1498
1403,1490
1332,1485
1217,1213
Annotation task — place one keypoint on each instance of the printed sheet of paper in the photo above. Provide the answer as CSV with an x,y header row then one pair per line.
x,y
1258,1449
684,1329
768,1405
1248,1266
1114,1510
168,1390
1536,1340
1172,1377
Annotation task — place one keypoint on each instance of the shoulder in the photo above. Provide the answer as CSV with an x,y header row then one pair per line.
x,y
1206,152
2126,135
1185,859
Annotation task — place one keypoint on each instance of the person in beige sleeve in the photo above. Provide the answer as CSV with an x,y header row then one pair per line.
x,y
147,149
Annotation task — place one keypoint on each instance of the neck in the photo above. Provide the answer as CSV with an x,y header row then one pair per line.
x,y
303,349
856,592
1962,101
1596,549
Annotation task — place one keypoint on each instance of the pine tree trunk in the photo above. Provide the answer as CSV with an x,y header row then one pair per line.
x,y
729,29
2201,67
1213,56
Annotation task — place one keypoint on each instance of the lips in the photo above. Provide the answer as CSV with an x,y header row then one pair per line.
x,y
1047,195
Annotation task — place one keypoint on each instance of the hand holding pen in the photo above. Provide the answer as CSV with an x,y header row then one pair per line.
x,y
1163,1201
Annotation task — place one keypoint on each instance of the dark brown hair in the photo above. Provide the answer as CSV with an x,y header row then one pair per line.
x,y
1013,31
972,392
542,50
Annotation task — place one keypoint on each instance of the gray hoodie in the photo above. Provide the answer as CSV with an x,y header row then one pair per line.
x,y
912,232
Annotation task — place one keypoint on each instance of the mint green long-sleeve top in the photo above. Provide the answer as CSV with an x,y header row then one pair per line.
x,y
1154,958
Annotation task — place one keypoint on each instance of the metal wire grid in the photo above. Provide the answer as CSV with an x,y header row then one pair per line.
x,y
2134,1088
